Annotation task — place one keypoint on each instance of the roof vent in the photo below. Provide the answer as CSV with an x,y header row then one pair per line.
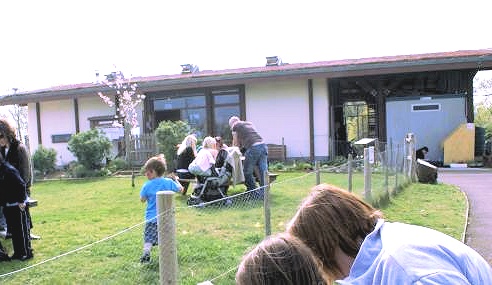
x,y
273,61
189,68
115,75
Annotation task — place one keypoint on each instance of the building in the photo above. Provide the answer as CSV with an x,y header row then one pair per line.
x,y
312,108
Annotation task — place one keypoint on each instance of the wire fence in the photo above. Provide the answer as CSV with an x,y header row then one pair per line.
x,y
207,240
377,178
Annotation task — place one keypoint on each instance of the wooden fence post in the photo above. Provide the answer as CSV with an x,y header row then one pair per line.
x,y
318,173
266,203
410,157
397,165
349,170
367,176
386,170
166,227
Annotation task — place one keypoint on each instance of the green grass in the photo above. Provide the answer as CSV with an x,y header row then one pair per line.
x,y
441,207
77,217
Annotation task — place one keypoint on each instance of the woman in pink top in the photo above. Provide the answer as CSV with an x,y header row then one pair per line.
x,y
205,159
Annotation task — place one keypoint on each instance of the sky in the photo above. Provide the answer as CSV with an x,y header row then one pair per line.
x,y
53,42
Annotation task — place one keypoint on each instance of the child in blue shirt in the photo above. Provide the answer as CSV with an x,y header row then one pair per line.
x,y
154,168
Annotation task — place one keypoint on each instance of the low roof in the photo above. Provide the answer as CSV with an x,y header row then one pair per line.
x,y
457,60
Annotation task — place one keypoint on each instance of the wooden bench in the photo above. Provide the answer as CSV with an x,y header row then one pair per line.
x,y
272,177
276,152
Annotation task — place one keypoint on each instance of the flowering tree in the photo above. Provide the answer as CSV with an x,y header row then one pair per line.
x,y
125,101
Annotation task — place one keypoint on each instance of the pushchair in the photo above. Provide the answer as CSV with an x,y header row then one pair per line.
x,y
215,186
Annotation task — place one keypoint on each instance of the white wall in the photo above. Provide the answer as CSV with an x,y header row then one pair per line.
x,y
92,107
280,109
57,117
32,130
321,118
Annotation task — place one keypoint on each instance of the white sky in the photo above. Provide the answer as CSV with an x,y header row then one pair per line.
x,y
54,42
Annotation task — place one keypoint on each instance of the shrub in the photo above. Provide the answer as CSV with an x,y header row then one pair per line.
x,y
277,166
78,170
168,135
44,160
117,164
304,166
90,148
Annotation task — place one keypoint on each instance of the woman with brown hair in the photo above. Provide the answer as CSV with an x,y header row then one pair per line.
x,y
15,175
357,246
281,259
14,151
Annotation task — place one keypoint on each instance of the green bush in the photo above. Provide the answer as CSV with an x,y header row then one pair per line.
x,y
90,148
44,160
78,170
117,164
168,135
277,166
304,166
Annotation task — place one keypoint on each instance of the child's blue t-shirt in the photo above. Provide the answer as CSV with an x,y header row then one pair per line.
x,y
149,191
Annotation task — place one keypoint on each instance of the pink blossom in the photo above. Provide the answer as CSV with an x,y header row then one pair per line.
x,y
128,96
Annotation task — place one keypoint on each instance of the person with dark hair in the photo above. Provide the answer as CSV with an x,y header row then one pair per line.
x,y
421,152
16,154
154,169
221,152
357,246
245,136
13,198
185,154
281,259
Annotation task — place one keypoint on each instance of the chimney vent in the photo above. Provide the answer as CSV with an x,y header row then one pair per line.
x,y
273,61
189,68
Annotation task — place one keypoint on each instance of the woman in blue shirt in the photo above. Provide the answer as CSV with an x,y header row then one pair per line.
x,y
357,246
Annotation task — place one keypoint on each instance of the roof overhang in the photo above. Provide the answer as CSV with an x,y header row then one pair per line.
x,y
460,60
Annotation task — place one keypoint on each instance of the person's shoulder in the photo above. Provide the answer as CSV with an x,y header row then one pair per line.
x,y
21,146
164,180
169,184
146,184
419,239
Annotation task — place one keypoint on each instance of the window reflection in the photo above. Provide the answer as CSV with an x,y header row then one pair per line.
x,y
196,106
221,124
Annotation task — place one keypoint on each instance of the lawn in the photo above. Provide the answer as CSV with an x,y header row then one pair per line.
x,y
92,229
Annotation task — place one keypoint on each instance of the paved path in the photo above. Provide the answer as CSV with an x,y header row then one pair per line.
x,y
477,184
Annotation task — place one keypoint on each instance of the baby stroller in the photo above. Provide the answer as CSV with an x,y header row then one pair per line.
x,y
214,187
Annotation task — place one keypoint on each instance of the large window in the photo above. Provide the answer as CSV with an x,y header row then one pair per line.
x,y
226,104
206,110
191,108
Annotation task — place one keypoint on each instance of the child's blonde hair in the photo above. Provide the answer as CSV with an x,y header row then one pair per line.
x,y
157,163
188,141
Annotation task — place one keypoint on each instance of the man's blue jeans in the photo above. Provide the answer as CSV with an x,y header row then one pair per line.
x,y
255,156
